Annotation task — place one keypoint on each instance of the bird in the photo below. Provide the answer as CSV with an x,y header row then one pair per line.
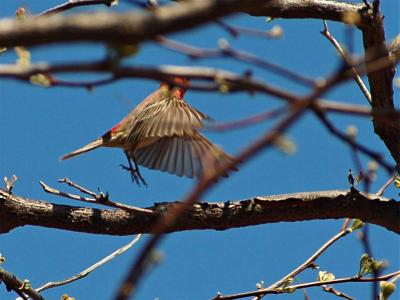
x,y
162,133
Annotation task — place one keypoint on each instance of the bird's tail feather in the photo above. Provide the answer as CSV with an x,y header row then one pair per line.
x,y
93,145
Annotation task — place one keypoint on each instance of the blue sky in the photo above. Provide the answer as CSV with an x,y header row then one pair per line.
x,y
39,125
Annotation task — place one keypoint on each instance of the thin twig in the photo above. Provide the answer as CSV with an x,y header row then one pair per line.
x,y
87,271
386,185
72,4
376,156
368,249
95,200
226,51
304,285
310,261
85,84
252,120
235,31
347,59
332,290
236,82
81,189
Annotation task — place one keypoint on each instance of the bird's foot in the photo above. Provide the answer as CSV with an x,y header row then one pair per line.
x,y
135,175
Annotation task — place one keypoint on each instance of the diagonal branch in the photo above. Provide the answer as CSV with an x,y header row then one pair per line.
x,y
90,269
19,286
306,285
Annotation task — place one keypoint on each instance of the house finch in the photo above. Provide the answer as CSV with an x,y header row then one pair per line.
x,y
161,133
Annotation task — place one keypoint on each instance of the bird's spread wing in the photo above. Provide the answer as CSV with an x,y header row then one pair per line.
x,y
167,117
188,156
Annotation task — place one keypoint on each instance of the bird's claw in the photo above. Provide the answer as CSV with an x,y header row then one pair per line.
x,y
135,175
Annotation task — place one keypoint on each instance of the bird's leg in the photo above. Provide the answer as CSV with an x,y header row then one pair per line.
x,y
131,170
135,173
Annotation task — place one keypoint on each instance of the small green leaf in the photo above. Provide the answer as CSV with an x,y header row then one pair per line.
x,y
360,176
325,276
276,31
10,183
24,56
20,14
378,265
223,85
117,51
156,257
287,282
365,265
223,44
357,224
66,297
223,88
397,182
26,285
40,79
368,265
351,132
397,82
285,144
289,289
386,289
260,285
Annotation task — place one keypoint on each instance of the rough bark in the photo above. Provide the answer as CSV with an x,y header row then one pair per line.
x,y
381,84
137,27
18,211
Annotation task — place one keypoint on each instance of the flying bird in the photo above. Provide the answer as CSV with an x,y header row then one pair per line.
x,y
161,133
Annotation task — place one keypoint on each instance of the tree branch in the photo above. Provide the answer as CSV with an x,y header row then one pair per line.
x,y
17,211
305,285
19,286
381,85
316,9
135,27
130,28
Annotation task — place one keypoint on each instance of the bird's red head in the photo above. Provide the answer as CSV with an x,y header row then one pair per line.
x,y
178,86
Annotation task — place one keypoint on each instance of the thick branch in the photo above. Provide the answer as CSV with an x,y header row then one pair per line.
x,y
299,9
129,28
381,86
136,27
17,211
17,285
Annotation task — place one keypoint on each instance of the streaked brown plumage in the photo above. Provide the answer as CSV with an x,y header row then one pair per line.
x,y
161,133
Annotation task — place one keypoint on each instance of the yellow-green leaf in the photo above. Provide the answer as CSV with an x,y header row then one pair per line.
x,y
397,182
325,276
285,144
24,56
386,289
357,224
40,79
66,297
